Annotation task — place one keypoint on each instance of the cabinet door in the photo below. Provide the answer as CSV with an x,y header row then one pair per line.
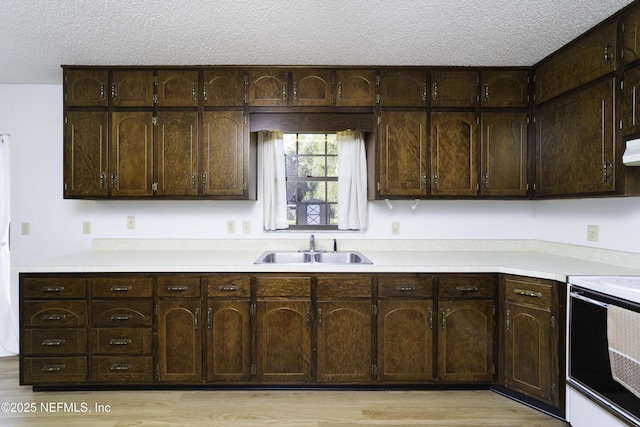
x,y
283,341
268,87
344,341
527,354
228,341
506,89
454,88
356,88
86,88
131,154
176,158
177,88
132,88
465,341
224,149
224,87
454,154
405,340
85,154
575,142
179,340
630,104
504,154
631,46
312,87
581,62
403,150
403,88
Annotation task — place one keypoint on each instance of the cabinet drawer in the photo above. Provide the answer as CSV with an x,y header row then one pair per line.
x,y
52,287
283,287
54,341
122,368
177,286
121,340
405,285
528,291
461,286
344,286
51,370
121,287
229,286
122,313
54,313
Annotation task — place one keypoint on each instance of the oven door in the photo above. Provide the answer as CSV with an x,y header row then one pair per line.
x,y
589,365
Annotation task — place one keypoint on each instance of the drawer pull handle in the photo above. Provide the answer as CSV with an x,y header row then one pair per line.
x,y
52,289
405,288
121,366
120,341
467,288
121,317
177,288
53,341
528,293
53,368
54,316
231,288
121,288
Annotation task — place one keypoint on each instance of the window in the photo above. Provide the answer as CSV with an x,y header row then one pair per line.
x,y
311,164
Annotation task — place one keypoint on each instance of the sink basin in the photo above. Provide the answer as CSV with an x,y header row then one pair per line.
x,y
309,257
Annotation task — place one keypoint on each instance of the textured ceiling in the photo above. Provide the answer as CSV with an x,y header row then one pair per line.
x,y
37,36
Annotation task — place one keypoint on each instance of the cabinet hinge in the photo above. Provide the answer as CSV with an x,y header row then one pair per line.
x,y
65,186
621,84
252,309
157,371
493,368
553,322
155,80
379,120
154,186
374,370
377,79
527,120
244,120
155,98
377,98
66,120
553,389
254,370
154,120
494,309
374,309
379,186
621,124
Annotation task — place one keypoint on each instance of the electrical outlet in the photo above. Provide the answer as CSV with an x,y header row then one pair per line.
x,y
231,226
395,228
246,226
593,233
25,228
86,227
131,222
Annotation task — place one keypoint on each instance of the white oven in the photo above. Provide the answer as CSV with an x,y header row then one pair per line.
x,y
603,365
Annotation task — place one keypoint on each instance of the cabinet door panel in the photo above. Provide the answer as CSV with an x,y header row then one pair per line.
x,y
403,88
504,154
179,341
355,88
344,341
177,153
403,151
223,153
312,87
86,88
454,88
575,142
131,154
224,87
228,341
177,88
405,340
630,104
631,46
268,87
85,151
132,88
454,154
505,89
58,314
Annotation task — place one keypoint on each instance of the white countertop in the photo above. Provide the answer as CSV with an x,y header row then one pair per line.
x,y
532,263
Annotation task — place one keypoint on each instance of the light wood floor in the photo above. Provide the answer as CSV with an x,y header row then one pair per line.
x,y
250,408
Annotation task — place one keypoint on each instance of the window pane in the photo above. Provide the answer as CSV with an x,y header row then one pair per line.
x,y
332,165
332,144
332,192
333,213
311,143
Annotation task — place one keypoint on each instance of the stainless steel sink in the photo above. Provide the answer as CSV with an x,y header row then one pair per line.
x,y
312,257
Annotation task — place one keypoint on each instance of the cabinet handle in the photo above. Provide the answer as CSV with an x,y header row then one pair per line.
x,y
308,317
467,288
103,91
171,288
434,91
121,317
405,288
527,293
114,90
103,180
210,318
54,316
121,366
608,52
194,91
508,320
120,341
485,180
442,319
435,180
52,289
53,341
430,319
284,91
113,180
424,180
424,91
121,288
205,91
485,93
193,180
204,179
53,368
231,288
196,319
295,90
319,318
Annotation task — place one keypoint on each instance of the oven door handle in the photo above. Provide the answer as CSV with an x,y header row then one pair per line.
x,y
575,294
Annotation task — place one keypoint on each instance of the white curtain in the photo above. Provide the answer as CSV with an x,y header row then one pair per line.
x,y
273,180
8,331
352,181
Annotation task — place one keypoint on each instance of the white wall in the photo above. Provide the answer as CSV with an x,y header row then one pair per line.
x,y
32,114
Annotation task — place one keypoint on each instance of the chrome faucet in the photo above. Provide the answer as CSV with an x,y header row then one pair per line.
x,y
312,244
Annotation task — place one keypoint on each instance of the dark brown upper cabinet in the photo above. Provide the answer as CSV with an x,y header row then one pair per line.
x,y
356,87
225,87
268,87
177,88
454,88
631,48
630,104
403,88
504,88
86,88
312,87
132,88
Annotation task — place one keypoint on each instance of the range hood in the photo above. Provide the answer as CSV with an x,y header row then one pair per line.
x,y
631,156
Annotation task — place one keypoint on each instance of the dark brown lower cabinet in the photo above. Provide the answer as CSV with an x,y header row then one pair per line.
x,y
228,341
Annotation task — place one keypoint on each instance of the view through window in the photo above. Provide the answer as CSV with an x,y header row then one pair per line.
x,y
311,162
